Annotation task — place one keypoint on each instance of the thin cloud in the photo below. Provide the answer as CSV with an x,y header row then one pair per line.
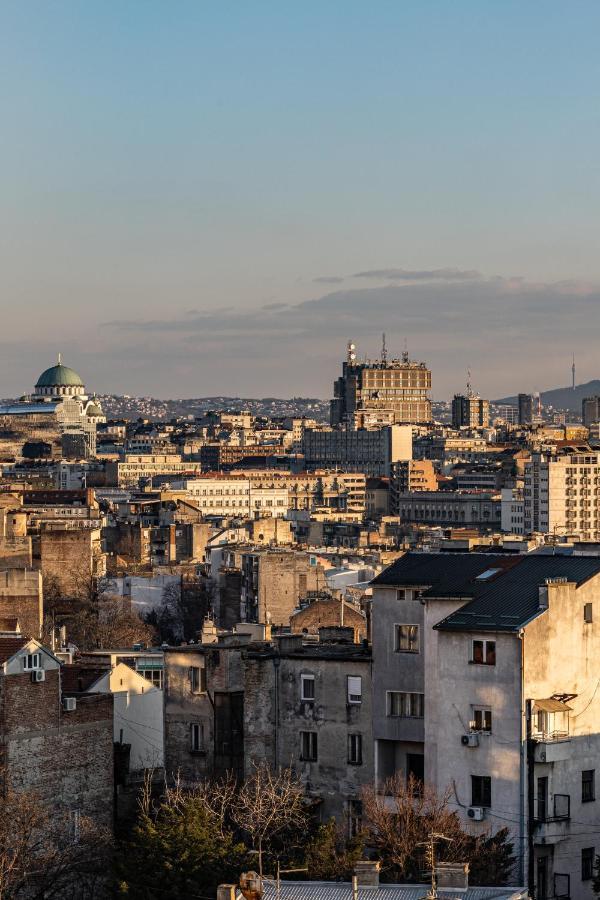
x,y
328,279
275,306
421,274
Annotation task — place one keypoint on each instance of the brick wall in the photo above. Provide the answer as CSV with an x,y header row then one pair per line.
x,y
66,758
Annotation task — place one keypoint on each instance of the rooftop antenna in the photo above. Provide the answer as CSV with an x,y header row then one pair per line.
x,y
405,351
383,350
573,371
351,352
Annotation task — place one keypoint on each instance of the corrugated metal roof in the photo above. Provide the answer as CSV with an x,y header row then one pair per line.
x,y
331,890
512,599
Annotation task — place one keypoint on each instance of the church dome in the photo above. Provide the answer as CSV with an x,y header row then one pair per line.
x,y
59,376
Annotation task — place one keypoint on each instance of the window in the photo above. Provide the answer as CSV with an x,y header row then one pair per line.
x,y
354,817
155,676
588,855
482,719
307,688
355,749
354,683
483,653
197,679
405,705
588,786
32,661
196,737
406,639
587,613
75,825
481,790
308,745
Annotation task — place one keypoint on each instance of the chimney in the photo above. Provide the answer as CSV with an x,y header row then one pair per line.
x,y
367,872
226,892
452,876
289,643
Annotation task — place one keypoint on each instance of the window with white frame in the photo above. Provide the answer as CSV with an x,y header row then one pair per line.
x,y
482,719
32,661
406,638
405,704
197,679
483,653
307,688
354,684
196,737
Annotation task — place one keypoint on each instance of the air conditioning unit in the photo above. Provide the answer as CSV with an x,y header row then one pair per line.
x,y
38,675
470,740
477,813
69,704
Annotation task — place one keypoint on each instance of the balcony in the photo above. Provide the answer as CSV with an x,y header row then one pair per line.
x,y
552,820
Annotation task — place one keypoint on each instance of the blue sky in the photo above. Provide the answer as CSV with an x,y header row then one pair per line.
x,y
189,190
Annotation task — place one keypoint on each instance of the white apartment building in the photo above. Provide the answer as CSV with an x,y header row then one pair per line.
x,y
231,495
512,511
511,716
562,494
485,683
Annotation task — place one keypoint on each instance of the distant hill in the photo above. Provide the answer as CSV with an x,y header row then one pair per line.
x,y
565,398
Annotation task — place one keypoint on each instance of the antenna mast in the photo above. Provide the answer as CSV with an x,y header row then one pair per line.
x,y
573,371
405,352
383,350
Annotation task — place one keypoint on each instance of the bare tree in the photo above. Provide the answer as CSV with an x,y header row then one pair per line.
x,y
399,817
46,854
268,803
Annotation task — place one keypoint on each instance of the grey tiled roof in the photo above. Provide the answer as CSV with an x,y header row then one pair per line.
x,y
512,599
447,574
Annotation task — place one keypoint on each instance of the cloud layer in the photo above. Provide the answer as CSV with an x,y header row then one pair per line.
x,y
513,334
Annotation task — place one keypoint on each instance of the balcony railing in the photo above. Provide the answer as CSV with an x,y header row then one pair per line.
x,y
559,810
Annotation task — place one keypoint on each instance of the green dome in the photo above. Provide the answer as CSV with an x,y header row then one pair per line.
x,y
59,376
93,410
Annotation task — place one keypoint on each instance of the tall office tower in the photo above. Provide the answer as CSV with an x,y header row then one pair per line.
x,y
372,393
470,411
590,410
530,409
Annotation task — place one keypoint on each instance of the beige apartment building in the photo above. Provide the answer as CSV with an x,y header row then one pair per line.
x,y
562,494
133,467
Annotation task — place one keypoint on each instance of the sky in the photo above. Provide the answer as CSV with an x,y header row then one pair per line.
x,y
213,198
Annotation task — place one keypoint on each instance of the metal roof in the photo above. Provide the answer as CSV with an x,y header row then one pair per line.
x,y
512,599
332,890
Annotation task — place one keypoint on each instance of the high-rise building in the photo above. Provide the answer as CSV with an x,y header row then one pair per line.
x,y
372,393
530,409
590,410
470,411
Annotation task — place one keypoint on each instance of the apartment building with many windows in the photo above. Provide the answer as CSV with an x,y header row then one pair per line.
x,y
562,494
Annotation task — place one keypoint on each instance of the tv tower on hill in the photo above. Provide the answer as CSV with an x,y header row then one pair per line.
x,y
573,371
